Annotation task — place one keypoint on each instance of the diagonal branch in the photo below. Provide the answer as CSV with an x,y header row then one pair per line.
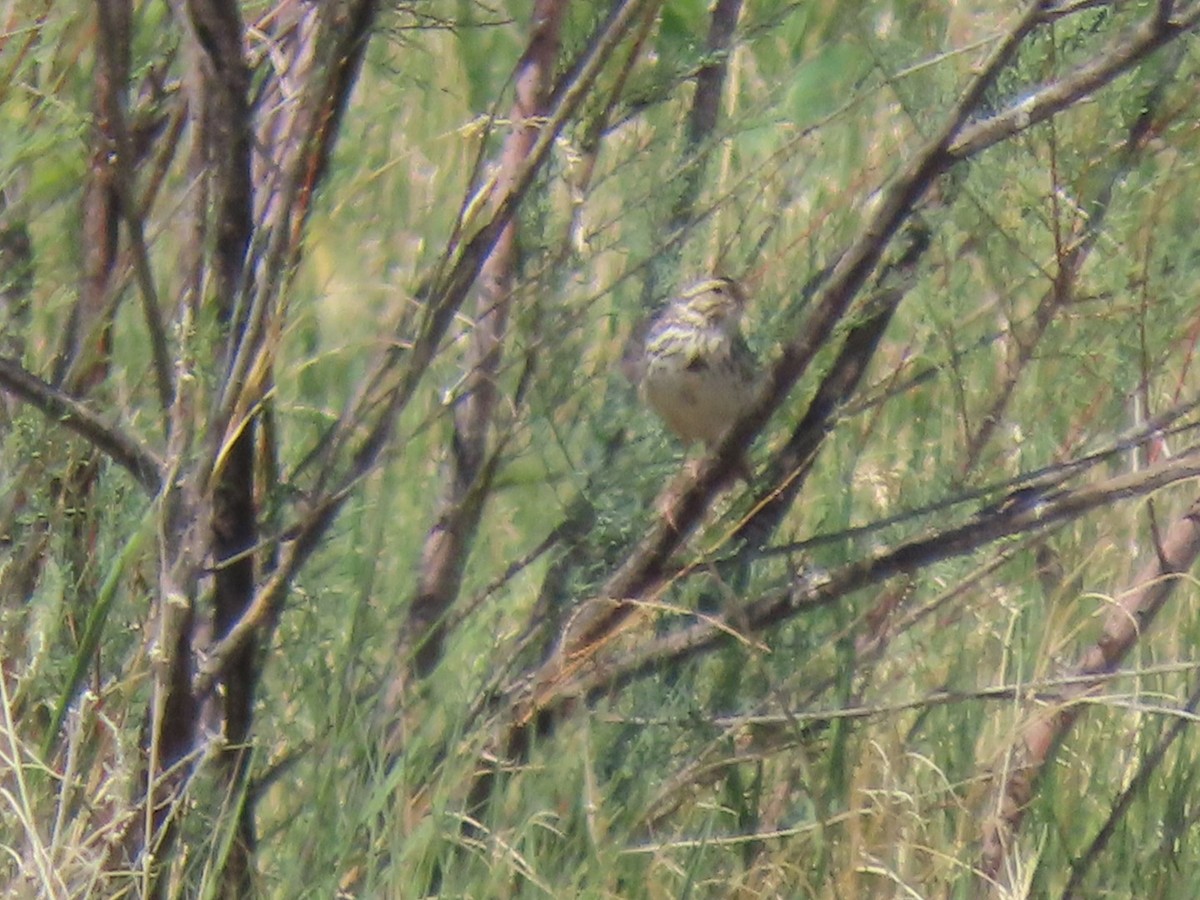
x,y
955,141
1073,256
1126,620
582,676
468,479
1132,48
645,564
793,462
73,415
448,293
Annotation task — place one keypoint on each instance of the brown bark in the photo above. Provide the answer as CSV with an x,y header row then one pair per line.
x,y
710,80
83,361
468,475
1128,619
644,567
224,98
580,669
211,506
1044,734
789,468
85,357
706,108
1071,254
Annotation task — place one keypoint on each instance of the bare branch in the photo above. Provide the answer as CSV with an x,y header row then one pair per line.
x,y
1071,259
468,478
688,502
791,464
584,676
1150,766
953,142
446,297
1126,621
111,37
65,410
1039,106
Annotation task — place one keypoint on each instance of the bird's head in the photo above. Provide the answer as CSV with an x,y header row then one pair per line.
x,y
719,300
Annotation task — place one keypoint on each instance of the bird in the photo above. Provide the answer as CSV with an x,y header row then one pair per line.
x,y
692,365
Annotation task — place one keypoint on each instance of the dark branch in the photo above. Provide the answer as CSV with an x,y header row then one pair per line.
x,y
59,407
784,604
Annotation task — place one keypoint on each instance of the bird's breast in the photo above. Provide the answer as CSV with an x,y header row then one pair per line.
x,y
698,397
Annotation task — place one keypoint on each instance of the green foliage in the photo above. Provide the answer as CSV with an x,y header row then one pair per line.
x,y
850,750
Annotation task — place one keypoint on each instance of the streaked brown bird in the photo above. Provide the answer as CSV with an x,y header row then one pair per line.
x,y
692,364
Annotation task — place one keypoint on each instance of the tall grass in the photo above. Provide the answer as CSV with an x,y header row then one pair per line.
x,y
855,748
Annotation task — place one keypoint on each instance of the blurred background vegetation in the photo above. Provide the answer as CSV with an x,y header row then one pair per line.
x,y
911,681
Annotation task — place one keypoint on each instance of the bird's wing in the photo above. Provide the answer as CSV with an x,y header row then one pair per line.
x,y
744,360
